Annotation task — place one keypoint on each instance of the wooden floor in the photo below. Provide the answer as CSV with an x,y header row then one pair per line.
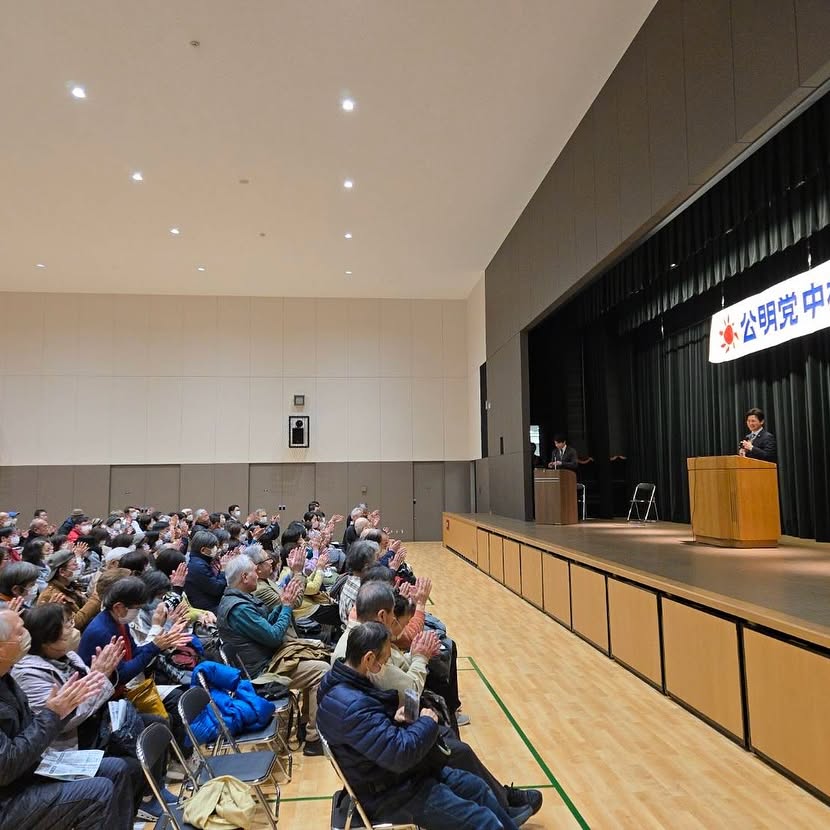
x,y
550,711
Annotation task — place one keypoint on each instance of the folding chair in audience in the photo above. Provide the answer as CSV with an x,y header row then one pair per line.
x,y
230,657
344,803
268,736
151,747
254,768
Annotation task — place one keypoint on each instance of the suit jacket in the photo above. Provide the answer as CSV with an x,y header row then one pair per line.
x,y
568,457
763,447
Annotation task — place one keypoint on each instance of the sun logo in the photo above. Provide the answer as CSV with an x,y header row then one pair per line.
x,y
729,337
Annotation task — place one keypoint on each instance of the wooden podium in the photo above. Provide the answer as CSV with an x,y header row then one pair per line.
x,y
734,501
555,497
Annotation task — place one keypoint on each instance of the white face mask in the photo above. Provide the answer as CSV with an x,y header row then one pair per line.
x,y
85,530
15,541
236,514
73,640
130,616
31,594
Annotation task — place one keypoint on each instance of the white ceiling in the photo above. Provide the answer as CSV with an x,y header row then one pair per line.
x,y
462,106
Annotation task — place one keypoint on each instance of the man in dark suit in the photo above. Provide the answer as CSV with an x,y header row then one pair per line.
x,y
564,457
759,443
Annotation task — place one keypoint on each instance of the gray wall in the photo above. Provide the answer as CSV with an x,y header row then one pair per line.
x,y
702,81
392,486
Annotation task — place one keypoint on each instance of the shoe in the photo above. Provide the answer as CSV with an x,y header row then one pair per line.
x,y
461,719
149,811
520,814
175,772
522,798
313,748
169,798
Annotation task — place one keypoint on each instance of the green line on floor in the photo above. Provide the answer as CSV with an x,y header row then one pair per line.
x,y
306,798
537,757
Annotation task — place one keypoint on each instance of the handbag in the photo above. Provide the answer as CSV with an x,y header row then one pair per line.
x,y
146,698
223,803
121,742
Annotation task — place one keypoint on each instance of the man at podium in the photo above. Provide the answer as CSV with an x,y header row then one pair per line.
x,y
759,443
564,457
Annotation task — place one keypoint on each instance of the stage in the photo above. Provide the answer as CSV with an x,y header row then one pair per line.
x,y
787,586
739,637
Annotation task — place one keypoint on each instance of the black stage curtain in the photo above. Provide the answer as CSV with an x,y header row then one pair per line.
x,y
647,320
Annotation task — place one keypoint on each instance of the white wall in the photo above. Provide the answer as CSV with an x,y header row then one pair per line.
x,y
113,379
476,355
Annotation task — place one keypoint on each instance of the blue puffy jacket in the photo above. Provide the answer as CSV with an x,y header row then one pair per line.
x,y
375,753
242,709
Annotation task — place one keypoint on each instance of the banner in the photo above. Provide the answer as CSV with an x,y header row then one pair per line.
x,y
793,308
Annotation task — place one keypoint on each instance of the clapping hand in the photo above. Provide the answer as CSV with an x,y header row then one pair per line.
x,y
80,548
374,518
296,559
426,644
207,618
63,700
106,659
160,614
291,592
16,604
323,562
335,519
176,637
398,559
422,590
179,576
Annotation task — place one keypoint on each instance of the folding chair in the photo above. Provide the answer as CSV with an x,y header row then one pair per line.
x,y
644,494
342,814
151,747
581,497
230,657
254,768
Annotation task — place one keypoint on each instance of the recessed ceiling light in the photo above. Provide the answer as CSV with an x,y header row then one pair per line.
x,y
78,92
40,265
175,231
137,176
347,104
348,184
347,235
348,273
200,267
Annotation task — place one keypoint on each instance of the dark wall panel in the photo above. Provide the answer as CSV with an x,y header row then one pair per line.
x,y
18,492
457,475
766,60
332,487
584,203
813,24
56,490
128,486
264,487
162,486
635,169
91,489
547,251
666,103
196,487
428,494
364,483
504,384
230,486
482,504
298,485
709,80
606,135
562,222
396,494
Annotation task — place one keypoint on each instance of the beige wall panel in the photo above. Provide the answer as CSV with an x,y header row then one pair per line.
x,y
556,588
512,565
590,609
456,438
332,338
57,440
427,409
363,400
233,421
396,338
363,337
496,551
789,708
483,550
299,350
267,427
330,425
266,337
635,628
164,432
198,422
460,536
701,663
454,338
395,419
427,339
234,355
531,559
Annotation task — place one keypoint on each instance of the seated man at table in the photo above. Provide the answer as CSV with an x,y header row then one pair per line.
x,y
258,634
